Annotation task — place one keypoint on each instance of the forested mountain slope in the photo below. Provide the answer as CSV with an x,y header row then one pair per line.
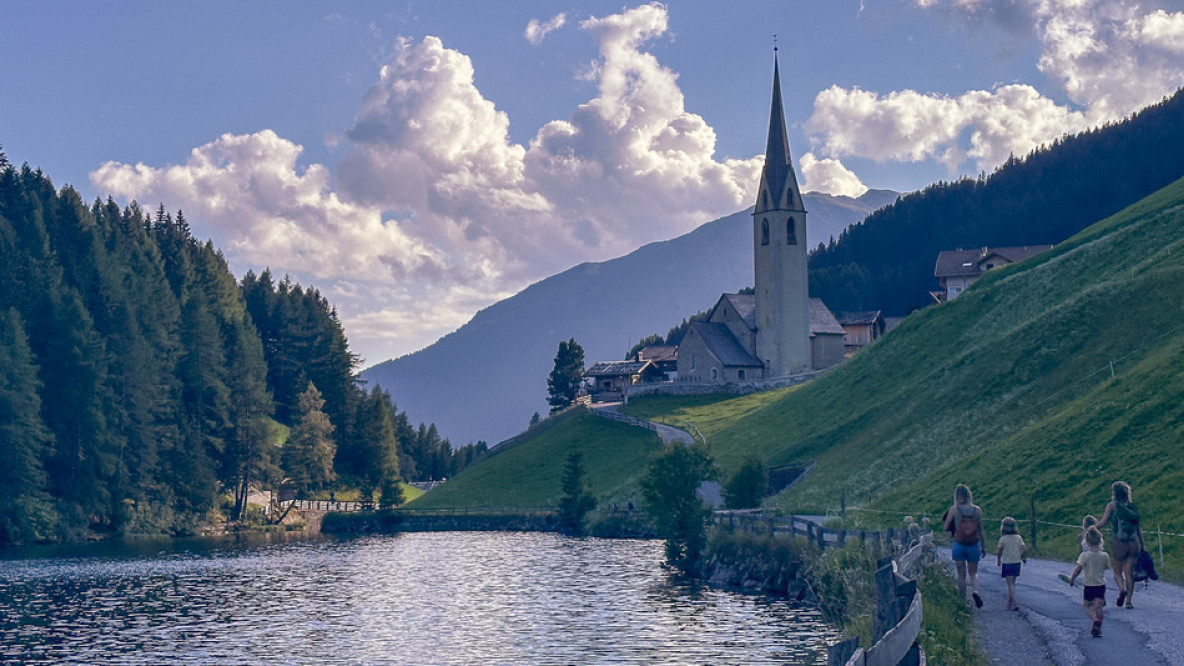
x,y
886,262
139,380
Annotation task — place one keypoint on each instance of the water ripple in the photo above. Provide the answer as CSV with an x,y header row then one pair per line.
x,y
434,598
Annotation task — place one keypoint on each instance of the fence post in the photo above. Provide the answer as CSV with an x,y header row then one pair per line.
x,y
1032,519
886,608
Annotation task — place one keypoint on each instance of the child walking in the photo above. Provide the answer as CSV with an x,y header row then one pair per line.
x,y
1092,564
1011,553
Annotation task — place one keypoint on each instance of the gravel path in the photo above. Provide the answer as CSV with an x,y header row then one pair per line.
x,y
1051,626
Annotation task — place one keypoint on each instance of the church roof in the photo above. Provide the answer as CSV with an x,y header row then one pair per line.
x,y
822,321
723,345
745,306
861,318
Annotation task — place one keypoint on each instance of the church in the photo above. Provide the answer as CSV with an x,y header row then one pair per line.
x,y
778,330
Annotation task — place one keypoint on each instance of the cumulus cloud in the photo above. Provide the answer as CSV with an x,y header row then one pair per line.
x,y
830,176
627,167
1110,57
433,212
249,195
908,126
536,31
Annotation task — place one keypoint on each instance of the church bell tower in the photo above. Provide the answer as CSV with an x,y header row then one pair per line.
x,y
779,246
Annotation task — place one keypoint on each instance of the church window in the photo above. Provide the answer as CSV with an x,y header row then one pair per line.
x,y
764,232
714,374
791,238
741,374
789,198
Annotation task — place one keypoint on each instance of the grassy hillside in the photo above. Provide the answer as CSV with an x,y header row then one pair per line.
x,y
527,475
1050,378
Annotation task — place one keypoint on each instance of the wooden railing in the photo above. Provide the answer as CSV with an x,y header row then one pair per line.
x,y
898,602
326,505
890,539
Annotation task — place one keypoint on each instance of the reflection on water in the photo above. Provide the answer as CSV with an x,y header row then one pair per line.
x,y
432,598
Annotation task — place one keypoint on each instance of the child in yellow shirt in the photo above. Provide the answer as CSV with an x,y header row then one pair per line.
x,y
1092,563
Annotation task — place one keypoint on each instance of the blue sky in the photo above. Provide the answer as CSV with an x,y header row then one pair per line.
x,y
417,161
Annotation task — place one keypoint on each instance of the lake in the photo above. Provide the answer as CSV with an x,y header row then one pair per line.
x,y
414,598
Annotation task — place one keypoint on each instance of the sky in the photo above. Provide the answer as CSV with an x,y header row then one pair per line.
x,y
419,161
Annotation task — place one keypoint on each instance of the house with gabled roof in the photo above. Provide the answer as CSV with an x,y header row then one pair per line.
x,y
607,381
957,269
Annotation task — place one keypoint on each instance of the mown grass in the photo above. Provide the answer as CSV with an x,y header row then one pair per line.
x,y
527,475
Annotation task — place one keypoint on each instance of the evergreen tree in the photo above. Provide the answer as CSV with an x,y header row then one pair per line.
x,y
563,384
576,500
308,454
670,489
29,513
4,163
746,488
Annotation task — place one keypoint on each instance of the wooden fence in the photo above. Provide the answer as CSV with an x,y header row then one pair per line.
x,y
890,539
326,505
898,602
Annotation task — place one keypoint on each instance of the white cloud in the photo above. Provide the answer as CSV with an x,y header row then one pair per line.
x,y
908,126
434,212
830,176
249,195
536,31
1109,56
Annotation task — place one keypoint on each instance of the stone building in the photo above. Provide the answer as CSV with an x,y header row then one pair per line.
x,y
778,330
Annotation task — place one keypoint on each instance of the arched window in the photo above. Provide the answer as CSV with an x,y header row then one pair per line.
x,y
791,238
764,232
714,374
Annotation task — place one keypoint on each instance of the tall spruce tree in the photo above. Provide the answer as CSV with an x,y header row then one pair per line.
x,y
29,513
308,454
563,384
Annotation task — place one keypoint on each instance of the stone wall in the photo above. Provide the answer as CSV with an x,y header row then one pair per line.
x,y
731,388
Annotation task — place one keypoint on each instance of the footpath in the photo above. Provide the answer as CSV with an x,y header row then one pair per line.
x,y
1051,627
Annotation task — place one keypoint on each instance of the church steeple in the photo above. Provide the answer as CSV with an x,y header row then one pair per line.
x,y
779,253
779,183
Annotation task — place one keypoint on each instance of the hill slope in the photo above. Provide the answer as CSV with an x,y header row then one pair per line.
x,y
1050,378
484,380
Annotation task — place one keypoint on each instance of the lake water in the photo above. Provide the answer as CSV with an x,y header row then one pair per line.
x,y
423,598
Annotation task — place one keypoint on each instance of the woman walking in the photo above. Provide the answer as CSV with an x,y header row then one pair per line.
x,y
965,521
1123,516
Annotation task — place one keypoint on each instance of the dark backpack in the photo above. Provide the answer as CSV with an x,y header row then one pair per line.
x,y
966,532
1126,521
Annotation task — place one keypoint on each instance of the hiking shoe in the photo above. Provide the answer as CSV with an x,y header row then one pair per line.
x,y
1121,597
978,601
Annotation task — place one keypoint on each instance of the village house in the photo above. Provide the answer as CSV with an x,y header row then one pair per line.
x,y
861,328
607,381
958,269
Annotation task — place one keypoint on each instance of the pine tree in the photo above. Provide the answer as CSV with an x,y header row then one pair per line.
x,y
563,384
308,454
29,513
576,500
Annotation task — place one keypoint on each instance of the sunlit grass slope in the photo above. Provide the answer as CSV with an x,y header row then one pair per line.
x,y
527,474
1052,377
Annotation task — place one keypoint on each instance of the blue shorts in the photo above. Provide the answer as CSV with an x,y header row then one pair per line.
x,y
966,553
1011,569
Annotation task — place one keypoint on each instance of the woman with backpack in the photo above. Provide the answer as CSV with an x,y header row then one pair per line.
x,y
1123,516
965,521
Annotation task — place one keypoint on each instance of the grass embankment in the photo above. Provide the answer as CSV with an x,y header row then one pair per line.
x,y
842,581
526,476
1049,378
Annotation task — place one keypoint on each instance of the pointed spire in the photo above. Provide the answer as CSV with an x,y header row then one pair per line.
x,y
777,174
